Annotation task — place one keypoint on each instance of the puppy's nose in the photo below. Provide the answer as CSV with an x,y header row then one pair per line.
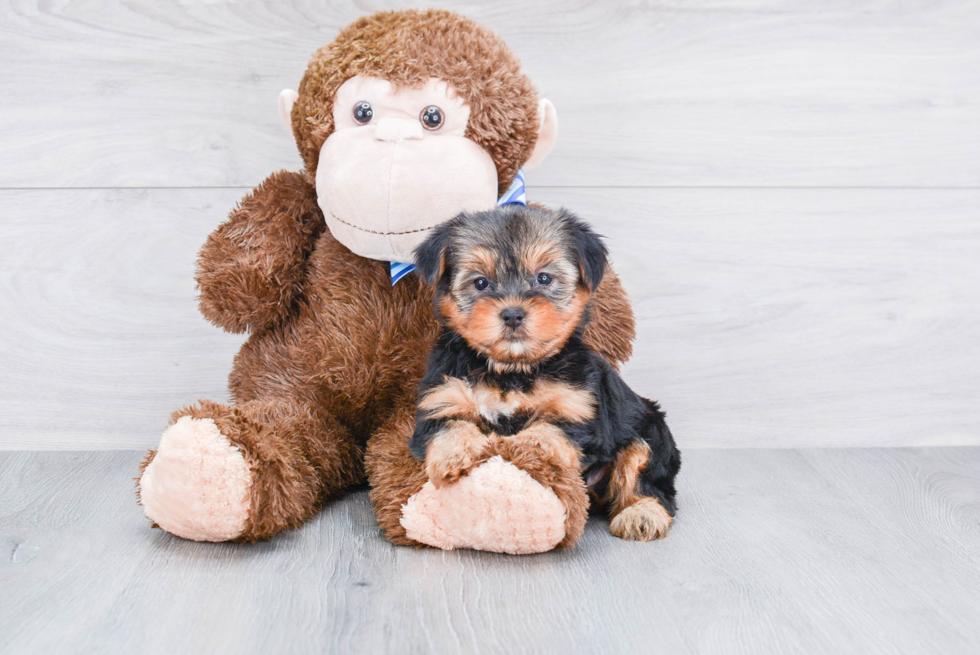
x,y
394,130
512,317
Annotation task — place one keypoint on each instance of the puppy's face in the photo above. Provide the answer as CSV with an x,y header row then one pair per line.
x,y
514,282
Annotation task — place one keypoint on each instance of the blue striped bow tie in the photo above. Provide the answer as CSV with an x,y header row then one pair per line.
x,y
514,196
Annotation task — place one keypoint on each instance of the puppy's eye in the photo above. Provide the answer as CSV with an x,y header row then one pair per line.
x,y
481,283
363,113
431,118
544,279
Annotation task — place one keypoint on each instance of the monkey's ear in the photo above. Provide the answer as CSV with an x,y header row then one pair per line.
x,y
591,251
430,255
547,134
287,98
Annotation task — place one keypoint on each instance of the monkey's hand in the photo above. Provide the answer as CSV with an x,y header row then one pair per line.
x,y
252,267
451,454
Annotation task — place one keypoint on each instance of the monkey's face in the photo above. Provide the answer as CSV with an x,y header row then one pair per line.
x,y
513,282
398,164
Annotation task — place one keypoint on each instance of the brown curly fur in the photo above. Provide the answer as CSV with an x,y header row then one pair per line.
x,y
324,388
393,473
252,267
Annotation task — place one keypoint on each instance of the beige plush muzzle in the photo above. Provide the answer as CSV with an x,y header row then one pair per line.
x,y
382,186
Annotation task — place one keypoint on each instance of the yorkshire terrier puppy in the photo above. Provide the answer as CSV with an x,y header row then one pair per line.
x,y
511,375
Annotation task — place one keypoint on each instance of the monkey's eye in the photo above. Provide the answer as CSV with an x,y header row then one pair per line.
x,y
431,118
544,279
481,283
363,113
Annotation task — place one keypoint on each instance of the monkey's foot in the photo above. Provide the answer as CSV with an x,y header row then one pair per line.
x,y
497,507
197,484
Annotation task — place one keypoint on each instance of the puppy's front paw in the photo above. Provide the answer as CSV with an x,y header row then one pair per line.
x,y
644,520
540,445
454,452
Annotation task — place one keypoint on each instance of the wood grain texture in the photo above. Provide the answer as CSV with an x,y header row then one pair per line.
x,y
781,318
100,338
844,551
136,93
804,318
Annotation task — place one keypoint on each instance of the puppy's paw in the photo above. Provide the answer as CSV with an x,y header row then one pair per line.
x,y
540,444
454,452
644,520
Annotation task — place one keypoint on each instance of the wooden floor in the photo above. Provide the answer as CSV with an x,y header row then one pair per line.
x,y
774,551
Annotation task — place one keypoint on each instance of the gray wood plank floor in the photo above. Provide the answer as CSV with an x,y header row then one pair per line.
x,y
774,551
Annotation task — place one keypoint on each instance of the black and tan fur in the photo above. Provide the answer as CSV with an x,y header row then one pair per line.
x,y
510,371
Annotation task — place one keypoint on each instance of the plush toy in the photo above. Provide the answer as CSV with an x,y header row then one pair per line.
x,y
406,119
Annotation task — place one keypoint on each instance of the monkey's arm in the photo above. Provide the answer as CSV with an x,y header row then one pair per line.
x,y
613,326
252,267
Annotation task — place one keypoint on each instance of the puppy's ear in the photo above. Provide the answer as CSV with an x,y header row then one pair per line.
x,y
589,248
430,255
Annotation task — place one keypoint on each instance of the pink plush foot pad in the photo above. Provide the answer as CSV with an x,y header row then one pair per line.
x,y
197,486
497,507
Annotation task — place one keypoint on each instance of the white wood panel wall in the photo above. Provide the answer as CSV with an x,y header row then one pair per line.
x,y
791,190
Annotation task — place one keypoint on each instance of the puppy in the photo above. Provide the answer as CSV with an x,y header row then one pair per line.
x,y
511,375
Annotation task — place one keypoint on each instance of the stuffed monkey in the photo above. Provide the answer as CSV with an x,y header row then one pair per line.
x,y
406,119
